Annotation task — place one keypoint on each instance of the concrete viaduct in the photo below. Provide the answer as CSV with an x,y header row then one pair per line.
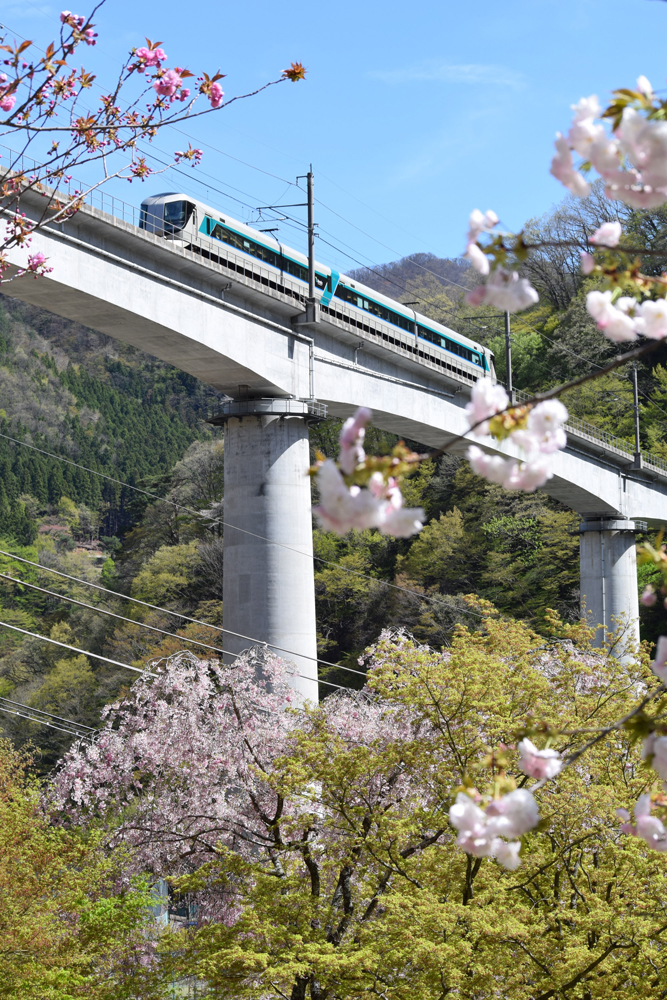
x,y
235,326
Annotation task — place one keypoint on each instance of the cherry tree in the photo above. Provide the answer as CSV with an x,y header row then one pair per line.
x,y
424,836
58,119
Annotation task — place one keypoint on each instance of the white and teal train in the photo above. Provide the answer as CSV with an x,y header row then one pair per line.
x,y
176,216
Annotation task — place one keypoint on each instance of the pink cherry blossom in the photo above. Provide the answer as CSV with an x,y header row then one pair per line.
x,y
654,314
587,262
397,520
151,57
514,814
487,398
586,107
167,84
480,222
545,423
470,821
648,827
563,170
342,509
536,763
36,260
608,235
530,475
614,322
649,597
215,95
476,296
507,854
479,831
351,440
644,87
655,746
505,290
659,664
76,20
7,102
477,258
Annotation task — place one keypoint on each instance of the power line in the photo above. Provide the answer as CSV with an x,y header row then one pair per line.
x,y
75,649
138,670
41,722
103,611
41,711
36,715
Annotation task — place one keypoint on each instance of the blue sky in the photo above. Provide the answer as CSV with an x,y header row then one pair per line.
x,y
412,114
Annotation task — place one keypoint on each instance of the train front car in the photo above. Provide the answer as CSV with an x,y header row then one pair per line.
x,y
172,215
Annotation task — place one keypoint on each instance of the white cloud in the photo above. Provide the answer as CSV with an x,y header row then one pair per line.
x,y
467,73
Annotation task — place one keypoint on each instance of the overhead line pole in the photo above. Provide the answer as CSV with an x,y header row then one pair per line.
x,y
508,357
311,235
635,394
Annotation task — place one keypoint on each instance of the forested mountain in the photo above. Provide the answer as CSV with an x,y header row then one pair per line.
x,y
99,403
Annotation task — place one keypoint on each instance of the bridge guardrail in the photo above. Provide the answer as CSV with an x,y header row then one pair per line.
x,y
584,429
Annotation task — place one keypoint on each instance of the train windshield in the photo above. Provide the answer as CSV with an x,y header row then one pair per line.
x,y
176,215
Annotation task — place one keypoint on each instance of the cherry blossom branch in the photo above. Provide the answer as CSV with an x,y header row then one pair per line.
x,y
41,90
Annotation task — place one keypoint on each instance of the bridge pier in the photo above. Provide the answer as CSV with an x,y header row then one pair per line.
x,y
268,578
608,574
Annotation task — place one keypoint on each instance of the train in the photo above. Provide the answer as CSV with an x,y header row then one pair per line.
x,y
177,216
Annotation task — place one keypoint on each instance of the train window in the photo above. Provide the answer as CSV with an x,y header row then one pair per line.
x,y
449,345
151,218
176,215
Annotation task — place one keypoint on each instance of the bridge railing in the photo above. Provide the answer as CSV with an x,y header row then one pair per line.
x,y
584,429
96,198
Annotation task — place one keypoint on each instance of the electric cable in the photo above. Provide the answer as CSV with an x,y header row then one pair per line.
x,y
138,670
75,649
111,614
40,711
41,722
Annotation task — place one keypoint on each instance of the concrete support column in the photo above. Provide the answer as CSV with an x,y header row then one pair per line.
x,y
608,573
268,579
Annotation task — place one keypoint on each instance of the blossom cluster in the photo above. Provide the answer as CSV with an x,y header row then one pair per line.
x,y
504,289
377,503
632,159
540,764
538,431
492,832
42,92
77,23
622,317
649,828
7,95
